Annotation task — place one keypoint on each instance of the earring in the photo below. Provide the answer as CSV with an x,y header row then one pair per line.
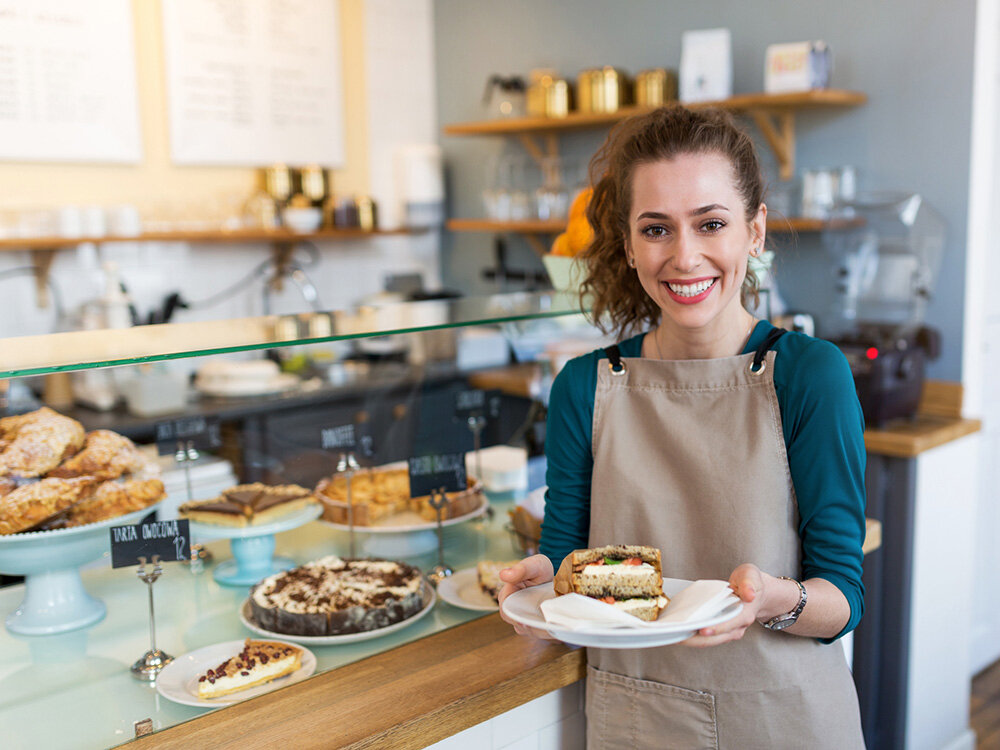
x,y
755,251
631,262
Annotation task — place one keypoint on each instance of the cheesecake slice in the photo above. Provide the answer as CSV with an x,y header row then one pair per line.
x,y
257,663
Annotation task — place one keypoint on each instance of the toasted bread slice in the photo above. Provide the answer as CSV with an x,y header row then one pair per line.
x,y
626,575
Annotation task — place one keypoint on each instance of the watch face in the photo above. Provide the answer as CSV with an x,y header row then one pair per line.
x,y
782,624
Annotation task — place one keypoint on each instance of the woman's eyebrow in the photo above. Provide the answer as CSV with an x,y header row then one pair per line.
x,y
695,212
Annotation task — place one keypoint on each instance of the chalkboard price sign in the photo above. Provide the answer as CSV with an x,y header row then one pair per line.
x,y
171,540
434,472
203,433
475,403
348,437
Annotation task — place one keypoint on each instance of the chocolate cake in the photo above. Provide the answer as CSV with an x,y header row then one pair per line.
x,y
248,505
337,596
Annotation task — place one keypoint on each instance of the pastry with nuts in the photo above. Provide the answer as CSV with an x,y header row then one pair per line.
x,y
257,663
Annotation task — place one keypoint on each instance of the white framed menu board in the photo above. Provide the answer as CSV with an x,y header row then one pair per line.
x,y
68,82
252,82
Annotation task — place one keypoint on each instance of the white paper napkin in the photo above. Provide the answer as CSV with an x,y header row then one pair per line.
x,y
699,601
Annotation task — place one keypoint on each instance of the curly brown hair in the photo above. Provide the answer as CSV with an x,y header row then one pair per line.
x,y
617,300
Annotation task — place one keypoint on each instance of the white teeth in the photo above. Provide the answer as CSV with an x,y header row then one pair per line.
x,y
690,290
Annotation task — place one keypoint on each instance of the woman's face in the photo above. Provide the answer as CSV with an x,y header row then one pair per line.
x,y
690,239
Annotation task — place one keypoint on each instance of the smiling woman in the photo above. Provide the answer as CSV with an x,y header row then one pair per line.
x,y
732,446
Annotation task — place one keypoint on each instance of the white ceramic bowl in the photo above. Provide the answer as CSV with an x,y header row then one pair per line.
x,y
302,220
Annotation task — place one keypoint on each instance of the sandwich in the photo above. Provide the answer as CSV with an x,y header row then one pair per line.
x,y
626,576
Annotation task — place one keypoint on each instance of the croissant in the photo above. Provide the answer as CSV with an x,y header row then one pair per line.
x,y
105,455
36,443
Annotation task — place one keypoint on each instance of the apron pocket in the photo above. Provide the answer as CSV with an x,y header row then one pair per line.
x,y
626,712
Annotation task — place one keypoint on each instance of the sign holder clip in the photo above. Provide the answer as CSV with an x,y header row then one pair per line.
x,y
149,664
438,500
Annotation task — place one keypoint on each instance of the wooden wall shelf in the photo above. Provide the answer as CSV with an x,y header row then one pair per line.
x,y
206,236
535,227
774,115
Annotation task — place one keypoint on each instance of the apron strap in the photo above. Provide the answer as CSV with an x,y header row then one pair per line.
x,y
615,360
758,358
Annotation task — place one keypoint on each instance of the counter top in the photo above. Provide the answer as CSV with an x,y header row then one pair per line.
x,y
405,698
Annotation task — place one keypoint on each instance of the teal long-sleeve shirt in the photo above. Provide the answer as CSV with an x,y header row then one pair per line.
x,y
824,437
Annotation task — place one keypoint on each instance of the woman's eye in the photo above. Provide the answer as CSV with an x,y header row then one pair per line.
x,y
654,230
713,225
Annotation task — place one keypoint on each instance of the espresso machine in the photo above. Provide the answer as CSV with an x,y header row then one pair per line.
x,y
887,249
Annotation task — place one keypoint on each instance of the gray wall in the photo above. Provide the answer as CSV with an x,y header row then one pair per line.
x,y
913,58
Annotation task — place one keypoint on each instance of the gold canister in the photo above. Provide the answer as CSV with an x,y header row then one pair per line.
x,y
278,182
548,96
655,87
367,213
602,89
313,180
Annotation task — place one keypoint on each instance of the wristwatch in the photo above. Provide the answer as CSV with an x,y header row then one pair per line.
x,y
780,622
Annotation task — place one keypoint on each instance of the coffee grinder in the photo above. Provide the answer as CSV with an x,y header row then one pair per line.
x,y
888,249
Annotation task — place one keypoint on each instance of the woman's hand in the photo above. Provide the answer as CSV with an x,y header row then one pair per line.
x,y
749,583
531,571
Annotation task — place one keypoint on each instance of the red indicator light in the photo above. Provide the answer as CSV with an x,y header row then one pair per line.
x,y
871,352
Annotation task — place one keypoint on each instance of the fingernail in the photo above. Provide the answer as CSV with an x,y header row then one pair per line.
x,y
708,631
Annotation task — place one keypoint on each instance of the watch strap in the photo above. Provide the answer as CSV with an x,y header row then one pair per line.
x,y
780,622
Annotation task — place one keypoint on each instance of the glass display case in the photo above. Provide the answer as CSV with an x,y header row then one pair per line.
x,y
276,401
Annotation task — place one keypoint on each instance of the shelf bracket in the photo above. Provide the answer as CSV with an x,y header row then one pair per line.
x,y
779,130
42,259
535,149
282,253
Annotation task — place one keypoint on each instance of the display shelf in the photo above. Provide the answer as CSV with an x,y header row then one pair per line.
x,y
43,249
774,115
75,350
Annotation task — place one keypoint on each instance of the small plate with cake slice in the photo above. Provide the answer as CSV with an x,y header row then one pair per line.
x,y
225,673
474,588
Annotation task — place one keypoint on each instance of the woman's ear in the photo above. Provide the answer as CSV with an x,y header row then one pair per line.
x,y
758,229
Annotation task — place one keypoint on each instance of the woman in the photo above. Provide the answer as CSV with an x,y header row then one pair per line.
x,y
736,450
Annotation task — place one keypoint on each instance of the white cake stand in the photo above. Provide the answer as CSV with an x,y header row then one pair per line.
x,y
406,534
253,547
54,598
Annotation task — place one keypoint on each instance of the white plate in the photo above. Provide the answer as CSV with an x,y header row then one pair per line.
x,y
523,607
278,384
410,521
333,640
461,589
178,681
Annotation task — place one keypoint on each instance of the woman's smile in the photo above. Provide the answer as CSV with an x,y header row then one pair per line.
x,y
690,291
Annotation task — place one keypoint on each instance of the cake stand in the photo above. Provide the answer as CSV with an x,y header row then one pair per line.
x,y
406,534
54,598
253,547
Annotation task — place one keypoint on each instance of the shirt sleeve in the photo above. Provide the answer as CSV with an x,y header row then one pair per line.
x,y
824,435
570,461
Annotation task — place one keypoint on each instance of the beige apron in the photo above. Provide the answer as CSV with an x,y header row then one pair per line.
x,y
689,456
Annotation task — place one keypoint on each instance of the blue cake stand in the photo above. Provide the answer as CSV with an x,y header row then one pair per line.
x,y
54,598
253,546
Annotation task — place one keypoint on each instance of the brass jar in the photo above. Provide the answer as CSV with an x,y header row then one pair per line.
x,y
655,87
548,96
602,89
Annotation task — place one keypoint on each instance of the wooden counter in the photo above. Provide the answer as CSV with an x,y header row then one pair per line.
x,y
407,697
939,420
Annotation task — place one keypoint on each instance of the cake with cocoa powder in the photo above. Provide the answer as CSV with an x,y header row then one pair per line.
x,y
337,596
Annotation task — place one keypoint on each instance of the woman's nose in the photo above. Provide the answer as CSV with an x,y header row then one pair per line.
x,y
687,257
